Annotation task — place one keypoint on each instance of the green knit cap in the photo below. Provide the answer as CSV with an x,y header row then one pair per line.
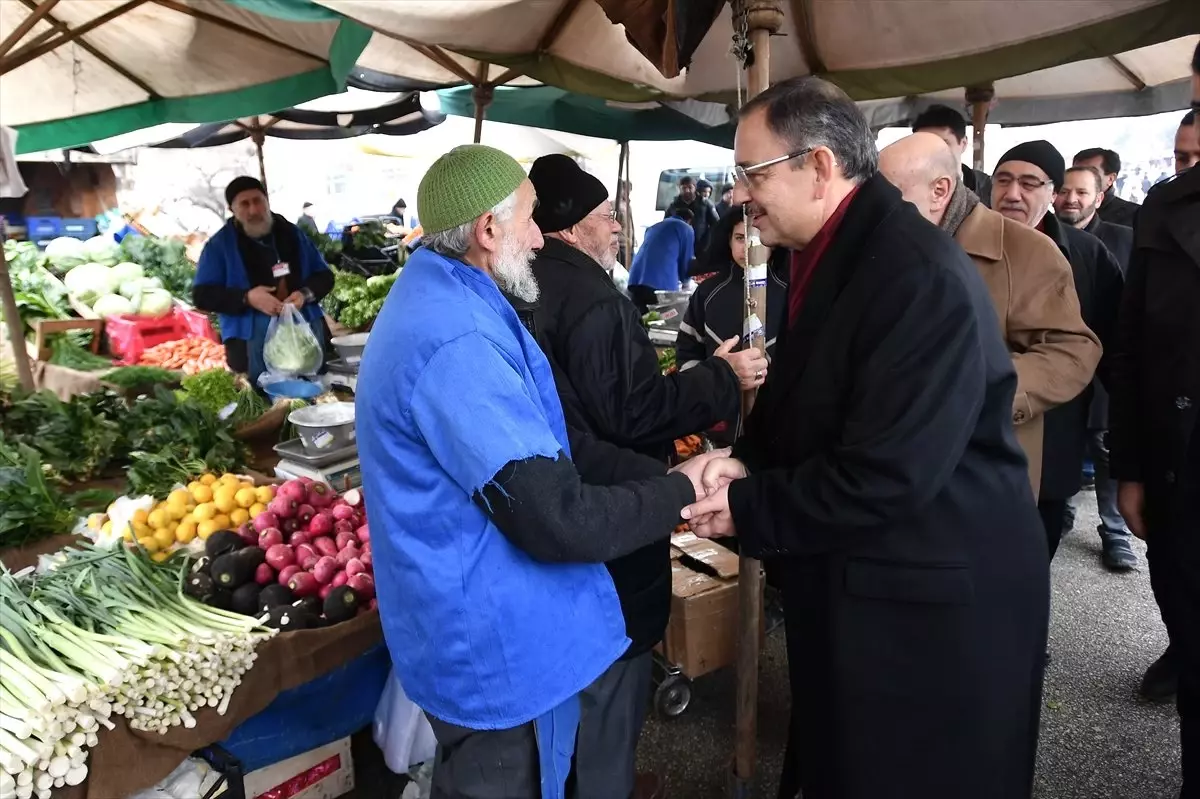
x,y
464,184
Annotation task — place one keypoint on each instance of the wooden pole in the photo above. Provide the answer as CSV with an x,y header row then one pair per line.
x,y
980,99
12,321
259,134
482,94
763,17
621,204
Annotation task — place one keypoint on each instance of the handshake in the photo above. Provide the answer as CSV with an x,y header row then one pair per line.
x,y
711,474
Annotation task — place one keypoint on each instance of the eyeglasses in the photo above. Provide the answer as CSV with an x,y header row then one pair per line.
x,y
611,216
1004,180
742,173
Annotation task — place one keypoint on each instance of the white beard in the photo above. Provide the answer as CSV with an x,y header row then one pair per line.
x,y
513,272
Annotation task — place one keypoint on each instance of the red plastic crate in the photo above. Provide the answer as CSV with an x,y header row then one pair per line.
x,y
129,336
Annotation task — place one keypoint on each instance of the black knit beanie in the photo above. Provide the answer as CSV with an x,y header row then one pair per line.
x,y
1040,153
241,184
565,193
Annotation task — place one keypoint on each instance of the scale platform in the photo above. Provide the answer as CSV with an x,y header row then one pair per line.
x,y
343,373
333,468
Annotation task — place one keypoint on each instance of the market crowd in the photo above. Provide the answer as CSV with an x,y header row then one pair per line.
x,y
946,350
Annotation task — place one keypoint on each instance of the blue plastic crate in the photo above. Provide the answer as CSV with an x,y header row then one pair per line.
x,y
80,228
43,227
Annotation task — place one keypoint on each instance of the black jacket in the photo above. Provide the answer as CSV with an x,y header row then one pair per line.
x,y
887,480
1119,241
1156,360
978,182
594,338
716,312
1098,282
1119,212
704,218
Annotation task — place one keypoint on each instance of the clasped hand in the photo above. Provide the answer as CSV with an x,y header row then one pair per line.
x,y
711,474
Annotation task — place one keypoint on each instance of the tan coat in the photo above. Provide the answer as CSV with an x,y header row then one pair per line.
x,y
1033,292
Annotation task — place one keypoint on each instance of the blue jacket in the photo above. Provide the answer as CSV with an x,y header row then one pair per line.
x,y
451,388
221,264
662,261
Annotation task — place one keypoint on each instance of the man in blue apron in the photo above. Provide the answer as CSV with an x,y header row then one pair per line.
x,y
250,268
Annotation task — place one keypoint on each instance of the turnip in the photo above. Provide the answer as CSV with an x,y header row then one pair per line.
x,y
344,538
304,551
324,570
343,513
345,555
307,481
362,584
269,537
280,556
339,579
305,514
353,497
325,545
289,526
365,557
355,566
287,573
308,563
299,537
264,574
321,524
265,521
282,506
320,495
304,584
293,490
363,533
325,591
248,534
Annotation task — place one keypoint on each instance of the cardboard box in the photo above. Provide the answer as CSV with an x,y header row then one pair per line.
x,y
703,629
326,772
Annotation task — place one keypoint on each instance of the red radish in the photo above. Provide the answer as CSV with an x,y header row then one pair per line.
x,y
269,537
280,556
344,539
293,490
363,533
321,524
355,566
324,570
289,526
320,495
287,573
339,579
353,497
299,537
305,513
343,513
248,534
345,555
365,557
305,550
347,525
362,584
373,604
325,591
264,574
325,545
303,584
283,507
265,521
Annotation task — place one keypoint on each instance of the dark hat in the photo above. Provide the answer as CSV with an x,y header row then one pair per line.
x,y
1040,153
565,193
241,184
307,205
703,184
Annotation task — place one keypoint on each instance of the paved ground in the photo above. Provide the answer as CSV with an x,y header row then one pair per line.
x,y
1098,741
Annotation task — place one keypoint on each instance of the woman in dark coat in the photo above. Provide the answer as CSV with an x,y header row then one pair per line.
x,y
717,310
881,472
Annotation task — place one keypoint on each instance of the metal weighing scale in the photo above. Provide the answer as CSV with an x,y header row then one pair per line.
x,y
343,373
335,467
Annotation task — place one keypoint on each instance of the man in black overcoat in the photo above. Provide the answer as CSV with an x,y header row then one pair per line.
x,y
881,473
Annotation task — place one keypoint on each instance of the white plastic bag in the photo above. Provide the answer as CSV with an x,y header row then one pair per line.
x,y
401,730
291,348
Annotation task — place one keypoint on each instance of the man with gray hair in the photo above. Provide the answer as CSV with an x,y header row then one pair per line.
x,y
880,472
489,536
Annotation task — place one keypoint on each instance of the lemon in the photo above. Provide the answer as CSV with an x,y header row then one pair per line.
x,y
142,529
208,479
159,557
239,516
256,509
95,521
158,518
230,479
184,533
225,498
191,487
164,538
202,494
140,516
245,497
205,529
148,543
264,494
179,497
106,527
204,512
222,522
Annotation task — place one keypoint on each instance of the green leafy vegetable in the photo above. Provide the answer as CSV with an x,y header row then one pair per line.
x,y
39,295
165,259
135,376
291,347
355,301
77,439
214,388
66,351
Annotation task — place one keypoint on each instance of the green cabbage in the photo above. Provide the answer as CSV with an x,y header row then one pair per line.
x,y
103,250
130,289
89,282
155,303
126,271
112,305
66,253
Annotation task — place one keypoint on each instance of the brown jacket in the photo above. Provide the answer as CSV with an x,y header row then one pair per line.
x,y
1033,292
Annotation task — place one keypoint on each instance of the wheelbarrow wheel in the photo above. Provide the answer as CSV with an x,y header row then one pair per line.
x,y
673,696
